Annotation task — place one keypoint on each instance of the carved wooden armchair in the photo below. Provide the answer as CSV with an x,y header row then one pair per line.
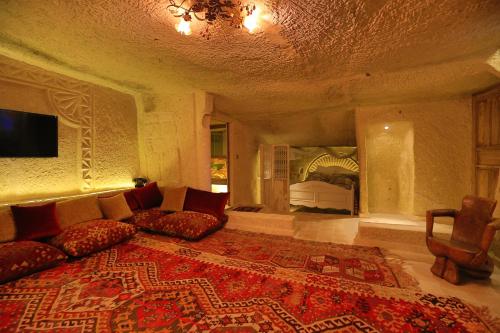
x,y
467,250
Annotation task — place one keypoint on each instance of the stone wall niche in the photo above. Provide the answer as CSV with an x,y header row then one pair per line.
x,y
442,153
390,167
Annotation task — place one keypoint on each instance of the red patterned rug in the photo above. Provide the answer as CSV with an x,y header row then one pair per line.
x,y
231,282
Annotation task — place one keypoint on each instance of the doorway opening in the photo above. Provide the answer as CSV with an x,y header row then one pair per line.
x,y
219,163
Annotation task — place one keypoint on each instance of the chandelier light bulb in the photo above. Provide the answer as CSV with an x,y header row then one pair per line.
x,y
234,13
251,22
184,27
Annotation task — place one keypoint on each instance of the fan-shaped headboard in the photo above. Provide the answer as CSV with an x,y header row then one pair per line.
x,y
327,160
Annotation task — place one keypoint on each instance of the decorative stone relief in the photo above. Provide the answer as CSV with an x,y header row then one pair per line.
x,y
72,101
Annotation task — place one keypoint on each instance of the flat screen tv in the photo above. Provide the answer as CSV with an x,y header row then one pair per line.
x,y
25,134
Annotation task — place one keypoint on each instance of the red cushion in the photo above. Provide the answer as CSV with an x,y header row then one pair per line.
x,y
36,222
88,237
148,196
131,201
188,225
146,216
206,202
25,257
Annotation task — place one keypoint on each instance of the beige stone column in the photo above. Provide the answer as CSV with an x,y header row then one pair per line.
x,y
203,108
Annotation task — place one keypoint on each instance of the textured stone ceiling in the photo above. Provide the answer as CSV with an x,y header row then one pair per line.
x,y
316,55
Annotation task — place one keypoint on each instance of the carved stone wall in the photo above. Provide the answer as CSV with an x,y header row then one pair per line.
x,y
176,141
442,156
31,89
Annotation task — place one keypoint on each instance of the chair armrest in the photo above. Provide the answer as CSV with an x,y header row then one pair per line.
x,y
495,224
431,214
488,234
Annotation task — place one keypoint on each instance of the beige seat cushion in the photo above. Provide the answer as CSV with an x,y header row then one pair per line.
x,y
173,199
79,210
7,225
115,207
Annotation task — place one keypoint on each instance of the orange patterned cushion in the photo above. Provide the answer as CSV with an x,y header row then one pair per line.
x,y
25,257
144,217
88,237
188,225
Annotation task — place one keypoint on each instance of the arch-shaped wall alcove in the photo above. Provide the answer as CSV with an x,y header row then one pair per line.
x,y
390,167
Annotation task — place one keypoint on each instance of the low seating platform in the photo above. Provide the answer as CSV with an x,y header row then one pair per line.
x,y
269,223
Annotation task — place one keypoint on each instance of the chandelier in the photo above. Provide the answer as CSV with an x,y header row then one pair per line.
x,y
230,12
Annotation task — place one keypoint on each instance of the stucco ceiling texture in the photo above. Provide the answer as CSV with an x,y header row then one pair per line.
x,y
312,55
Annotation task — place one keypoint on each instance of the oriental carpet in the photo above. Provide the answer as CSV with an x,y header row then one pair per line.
x,y
231,281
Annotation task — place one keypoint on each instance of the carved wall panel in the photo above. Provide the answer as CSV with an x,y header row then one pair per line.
x,y
97,135
75,109
71,100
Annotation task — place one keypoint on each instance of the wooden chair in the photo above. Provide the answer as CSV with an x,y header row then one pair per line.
x,y
467,250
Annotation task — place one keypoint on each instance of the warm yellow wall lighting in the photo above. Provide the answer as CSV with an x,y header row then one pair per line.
x,y
65,197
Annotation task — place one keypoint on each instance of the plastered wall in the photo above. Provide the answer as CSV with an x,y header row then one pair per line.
x,y
98,144
331,127
442,156
244,181
175,139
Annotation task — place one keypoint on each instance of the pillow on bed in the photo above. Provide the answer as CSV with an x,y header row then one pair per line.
x,y
79,210
115,207
22,258
88,237
173,199
35,222
206,202
148,196
188,225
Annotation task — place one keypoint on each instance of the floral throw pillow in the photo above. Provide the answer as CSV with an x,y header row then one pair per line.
x,y
187,224
145,217
22,258
88,237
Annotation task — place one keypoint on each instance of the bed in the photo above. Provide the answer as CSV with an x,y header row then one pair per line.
x,y
314,193
330,181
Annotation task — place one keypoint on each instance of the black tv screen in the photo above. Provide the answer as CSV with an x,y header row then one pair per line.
x,y
25,134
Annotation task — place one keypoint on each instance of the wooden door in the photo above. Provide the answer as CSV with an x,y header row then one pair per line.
x,y
275,172
486,116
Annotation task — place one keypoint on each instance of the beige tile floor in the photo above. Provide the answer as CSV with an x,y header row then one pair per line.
x,y
417,259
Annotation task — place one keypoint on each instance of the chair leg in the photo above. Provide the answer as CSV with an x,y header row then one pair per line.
x,y
451,272
439,266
